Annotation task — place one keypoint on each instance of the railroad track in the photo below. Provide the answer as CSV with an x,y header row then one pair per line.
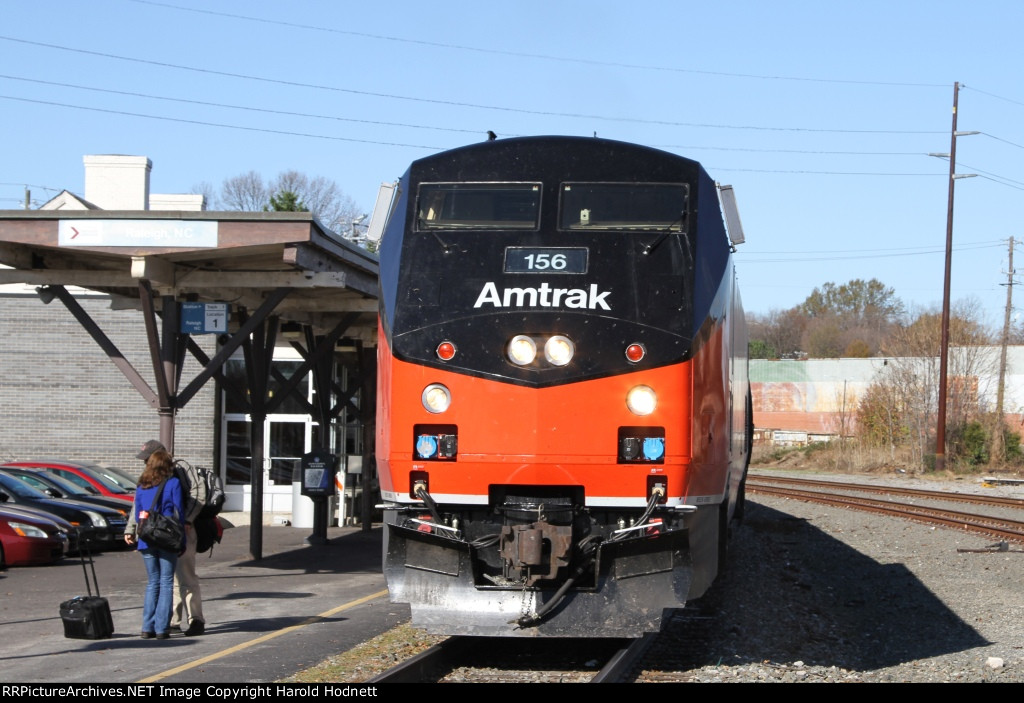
x,y
839,494
761,479
667,656
489,660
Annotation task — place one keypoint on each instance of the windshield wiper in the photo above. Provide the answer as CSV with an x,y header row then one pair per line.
x,y
648,248
445,246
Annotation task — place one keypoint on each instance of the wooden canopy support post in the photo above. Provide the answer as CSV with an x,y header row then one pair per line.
x,y
368,414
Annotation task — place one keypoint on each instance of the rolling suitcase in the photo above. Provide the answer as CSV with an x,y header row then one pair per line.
x,y
87,617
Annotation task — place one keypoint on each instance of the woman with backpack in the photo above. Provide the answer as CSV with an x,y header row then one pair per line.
x,y
159,491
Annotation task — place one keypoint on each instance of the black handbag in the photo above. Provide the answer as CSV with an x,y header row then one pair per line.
x,y
159,530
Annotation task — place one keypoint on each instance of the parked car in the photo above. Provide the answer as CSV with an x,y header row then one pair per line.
x,y
103,527
122,478
27,539
70,531
87,475
56,486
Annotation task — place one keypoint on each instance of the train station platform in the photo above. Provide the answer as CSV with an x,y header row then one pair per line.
x,y
266,619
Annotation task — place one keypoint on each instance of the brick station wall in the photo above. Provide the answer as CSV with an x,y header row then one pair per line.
x,y
62,397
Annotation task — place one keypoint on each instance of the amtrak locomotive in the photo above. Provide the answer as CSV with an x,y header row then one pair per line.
x,y
564,421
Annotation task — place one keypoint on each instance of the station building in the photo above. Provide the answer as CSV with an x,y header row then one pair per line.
x,y
90,367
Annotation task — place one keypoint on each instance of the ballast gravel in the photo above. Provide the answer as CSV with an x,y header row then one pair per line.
x,y
821,594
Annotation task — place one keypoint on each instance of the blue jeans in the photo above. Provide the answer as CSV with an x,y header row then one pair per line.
x,y
156,609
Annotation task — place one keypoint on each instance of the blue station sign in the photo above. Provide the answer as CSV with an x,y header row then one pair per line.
x,y
204,318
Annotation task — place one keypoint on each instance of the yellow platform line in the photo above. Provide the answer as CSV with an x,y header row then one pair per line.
x,y
263,638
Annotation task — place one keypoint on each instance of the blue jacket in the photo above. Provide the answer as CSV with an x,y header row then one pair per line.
x,y
172,503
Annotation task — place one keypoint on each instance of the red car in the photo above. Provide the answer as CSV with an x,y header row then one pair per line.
x,y
27,538
92,477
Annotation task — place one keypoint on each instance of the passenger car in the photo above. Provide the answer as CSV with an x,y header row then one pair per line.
x,y
102,526
27,538
87,475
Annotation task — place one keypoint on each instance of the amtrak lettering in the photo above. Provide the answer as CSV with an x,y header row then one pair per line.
x,y
545,297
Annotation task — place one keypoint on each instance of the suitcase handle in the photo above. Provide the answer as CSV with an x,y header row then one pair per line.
x,y
84,544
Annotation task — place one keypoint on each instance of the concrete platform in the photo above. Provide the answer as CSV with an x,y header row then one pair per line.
x,y
266,619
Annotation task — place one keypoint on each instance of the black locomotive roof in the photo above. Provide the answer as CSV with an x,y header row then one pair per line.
x,y
524,158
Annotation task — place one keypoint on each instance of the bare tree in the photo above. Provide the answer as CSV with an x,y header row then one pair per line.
x,y
245,193
823,337
321,196
779,331
209,194
908,388
880,417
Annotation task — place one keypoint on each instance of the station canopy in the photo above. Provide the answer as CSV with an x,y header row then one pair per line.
x,y
284,265
238,258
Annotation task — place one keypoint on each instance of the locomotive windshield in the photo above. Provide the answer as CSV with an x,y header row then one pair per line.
x,y
641,207
478,206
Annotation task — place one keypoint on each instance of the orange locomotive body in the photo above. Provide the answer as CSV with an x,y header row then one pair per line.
x,y
563,406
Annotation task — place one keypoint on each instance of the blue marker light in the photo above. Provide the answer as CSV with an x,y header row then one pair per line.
x,y
426,446
654,448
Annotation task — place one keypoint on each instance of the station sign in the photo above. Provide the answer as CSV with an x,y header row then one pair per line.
x,y
318,468
204,318
137,233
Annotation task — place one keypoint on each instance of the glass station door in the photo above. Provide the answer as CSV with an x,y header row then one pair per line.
x,y
287,439
290,433
287,435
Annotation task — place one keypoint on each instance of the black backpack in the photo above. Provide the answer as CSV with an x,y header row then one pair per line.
x,y
209,531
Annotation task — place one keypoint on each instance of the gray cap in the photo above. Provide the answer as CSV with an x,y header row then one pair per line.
x,y
148,448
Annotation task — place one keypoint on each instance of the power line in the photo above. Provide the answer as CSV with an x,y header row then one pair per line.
x,y
30,185
264,130
521,54
454,103
812,152
125,113
722,169
894,250
803,257
286,113
1000,139
993,95
994,177
216,124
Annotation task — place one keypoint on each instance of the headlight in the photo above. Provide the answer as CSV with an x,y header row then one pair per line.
x,y
641,400
559,350
27,530
436,398
97,519
522,350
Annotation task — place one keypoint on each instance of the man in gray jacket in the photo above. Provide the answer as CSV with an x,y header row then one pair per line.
x,y
187,611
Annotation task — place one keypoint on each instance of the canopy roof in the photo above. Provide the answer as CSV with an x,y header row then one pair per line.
x,y
229,257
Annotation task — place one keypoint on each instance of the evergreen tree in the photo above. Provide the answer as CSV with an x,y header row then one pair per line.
x,y
285,201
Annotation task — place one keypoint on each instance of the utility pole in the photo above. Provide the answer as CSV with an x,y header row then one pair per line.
x,y
940,430
998,453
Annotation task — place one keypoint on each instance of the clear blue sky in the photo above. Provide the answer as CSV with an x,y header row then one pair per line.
x,y
820,114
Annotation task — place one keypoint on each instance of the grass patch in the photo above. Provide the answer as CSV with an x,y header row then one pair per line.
x,y
370,658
